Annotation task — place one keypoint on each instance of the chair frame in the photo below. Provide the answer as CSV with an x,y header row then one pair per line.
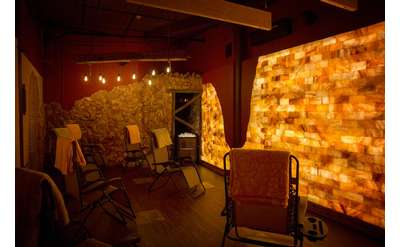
x,y
170,166
294,228
137,153
101,184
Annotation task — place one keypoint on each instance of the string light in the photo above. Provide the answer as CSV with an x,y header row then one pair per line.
x,y
85,78
153,73
119,78
149,82
133,76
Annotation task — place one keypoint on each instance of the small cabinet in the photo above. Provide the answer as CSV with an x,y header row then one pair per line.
x,y
186,124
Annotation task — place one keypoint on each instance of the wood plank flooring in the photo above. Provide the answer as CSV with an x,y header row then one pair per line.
x,y
168,217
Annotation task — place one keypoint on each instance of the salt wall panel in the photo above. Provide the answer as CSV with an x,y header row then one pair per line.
x,y
324,101
104,115
213,142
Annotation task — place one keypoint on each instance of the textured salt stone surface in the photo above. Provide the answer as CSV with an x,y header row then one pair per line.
x,y
103,115
214,145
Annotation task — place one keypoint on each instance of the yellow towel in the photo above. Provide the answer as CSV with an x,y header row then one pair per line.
x,y
75,130
260,176
134,134
162,137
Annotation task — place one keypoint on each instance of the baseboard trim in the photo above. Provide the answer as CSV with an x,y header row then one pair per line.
x,y
213,168
371,231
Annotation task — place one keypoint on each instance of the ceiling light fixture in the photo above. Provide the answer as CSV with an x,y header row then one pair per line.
x,y
133,76
103,80
153,72
149,82
118,78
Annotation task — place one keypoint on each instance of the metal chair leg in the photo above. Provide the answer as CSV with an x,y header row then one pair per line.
x,y
159,175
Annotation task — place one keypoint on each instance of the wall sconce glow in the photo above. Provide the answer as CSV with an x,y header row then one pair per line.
x,y
118,78
85,78
100,77
168,69
103,80
149,82
153,73
133,76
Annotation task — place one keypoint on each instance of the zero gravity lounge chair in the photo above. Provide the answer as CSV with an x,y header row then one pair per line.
x,y
262,205
135,152
93,188
164,165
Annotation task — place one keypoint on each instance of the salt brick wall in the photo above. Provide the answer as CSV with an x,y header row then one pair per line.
x,y
325,102
213,143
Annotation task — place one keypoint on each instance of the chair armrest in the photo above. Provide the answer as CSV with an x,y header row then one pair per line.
x,y
166,163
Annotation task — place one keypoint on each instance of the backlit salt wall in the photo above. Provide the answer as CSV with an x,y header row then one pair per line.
x,y
324,102
213,141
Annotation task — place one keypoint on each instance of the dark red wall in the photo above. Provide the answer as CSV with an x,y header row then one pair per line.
x,y
64,77
29,35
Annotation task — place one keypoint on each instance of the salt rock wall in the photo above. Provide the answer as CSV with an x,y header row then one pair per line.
x,y
103,115
213,142
325,102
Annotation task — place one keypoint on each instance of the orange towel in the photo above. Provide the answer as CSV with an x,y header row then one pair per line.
x,y
162,137
75,130
260,176
134,134
64,152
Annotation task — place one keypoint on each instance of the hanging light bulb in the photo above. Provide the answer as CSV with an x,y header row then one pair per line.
x,y
153,73
100,77
103,80
85,78
168,69
133,76
149,82
119,78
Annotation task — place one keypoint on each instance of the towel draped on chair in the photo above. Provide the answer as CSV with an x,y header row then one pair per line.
x,y
64,151
75,130
260,176
29,205
133,133
162,137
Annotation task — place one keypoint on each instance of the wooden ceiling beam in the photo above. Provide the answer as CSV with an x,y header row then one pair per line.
x,y
214,9
350,5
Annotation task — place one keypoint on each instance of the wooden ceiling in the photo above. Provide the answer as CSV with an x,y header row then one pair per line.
x,y
116,18
119,18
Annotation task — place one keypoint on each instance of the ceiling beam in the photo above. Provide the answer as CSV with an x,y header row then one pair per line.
x,y
214,9
350,5
183,28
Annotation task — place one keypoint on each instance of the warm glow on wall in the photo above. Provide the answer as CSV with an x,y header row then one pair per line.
x,y
213,141
324,101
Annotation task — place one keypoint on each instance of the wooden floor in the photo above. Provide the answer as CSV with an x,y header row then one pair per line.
x,y
168,217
